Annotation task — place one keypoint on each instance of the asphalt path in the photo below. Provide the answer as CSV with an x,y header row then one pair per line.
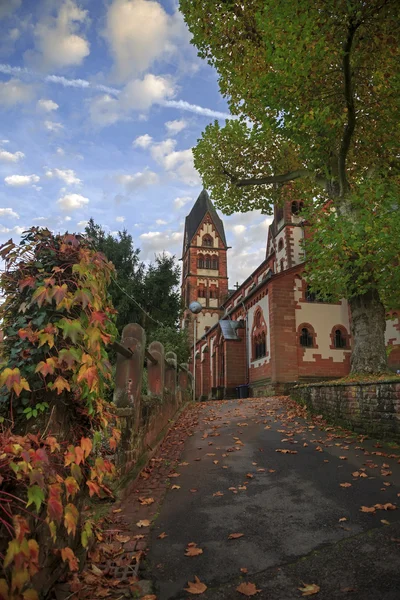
x,y
258,468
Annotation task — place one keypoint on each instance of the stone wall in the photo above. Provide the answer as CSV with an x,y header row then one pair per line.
x,y
372,408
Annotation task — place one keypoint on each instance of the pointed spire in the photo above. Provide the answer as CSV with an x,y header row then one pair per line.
x,y
202,206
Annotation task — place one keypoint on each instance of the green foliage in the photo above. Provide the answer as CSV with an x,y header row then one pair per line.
x,y
154,288
173,340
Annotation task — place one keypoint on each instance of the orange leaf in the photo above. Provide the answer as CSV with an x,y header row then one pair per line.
x,y
368,509
143,523
146,501
68,555
247,589
94,488
235,536
71,517
162,535
309,589
197,587
86,446
123,539
61,384
71,487
47,367
192,550
345,485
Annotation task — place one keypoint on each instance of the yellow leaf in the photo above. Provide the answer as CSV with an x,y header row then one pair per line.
x,y
309,589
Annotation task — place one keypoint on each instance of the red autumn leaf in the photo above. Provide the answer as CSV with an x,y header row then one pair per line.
x,y
86,445
54,505
71,487
69,456
94,488
12,379
71,517
27,282
68,555
46,367
80,455
98,317
90,376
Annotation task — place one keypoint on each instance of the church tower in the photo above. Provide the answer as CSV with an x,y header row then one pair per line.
x,y
204,271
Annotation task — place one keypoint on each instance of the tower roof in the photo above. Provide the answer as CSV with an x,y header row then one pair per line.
x,y
202,206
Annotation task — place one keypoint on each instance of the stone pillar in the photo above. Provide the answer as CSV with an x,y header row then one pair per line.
x,y
156,371
171,375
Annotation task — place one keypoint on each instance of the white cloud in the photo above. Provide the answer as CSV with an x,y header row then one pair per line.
x,y
239,229
17,229
57,41
14,92
11,157
138,180
21,180
143,141
141,94
198,110
82,224
154,242
174,127
72,202
8,212
179,163
181,201
47,105
120,219
67,218
53,126
66,175
60,151
138,32
161,222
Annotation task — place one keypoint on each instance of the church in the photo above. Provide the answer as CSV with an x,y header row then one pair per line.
x,y
272,332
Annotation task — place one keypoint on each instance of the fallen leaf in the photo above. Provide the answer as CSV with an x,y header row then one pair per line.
x,y
174,475
367,509
193,491
363,475
343,457
305,445
117,510
175,487
162,535
149,597
385,473
243,570
260,470
309,589
218,494
271,470
387,506
143,523
348,589
193,550
97,571
319,449
385,522
356,474
138,537
122,538
197,587
345,485
342,519
146,501
235,536
215,462
249,475
210,454
183,464
247,589
285,451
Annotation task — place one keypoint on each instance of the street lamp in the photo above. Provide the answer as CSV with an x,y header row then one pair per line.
x,y
195,308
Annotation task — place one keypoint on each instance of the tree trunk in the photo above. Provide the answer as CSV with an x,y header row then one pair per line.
x,y
368,324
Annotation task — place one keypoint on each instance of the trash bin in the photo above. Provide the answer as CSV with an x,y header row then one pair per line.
x,y
243,391
238,392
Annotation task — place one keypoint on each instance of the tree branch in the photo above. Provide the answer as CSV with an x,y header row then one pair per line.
x,y
351,113
271,179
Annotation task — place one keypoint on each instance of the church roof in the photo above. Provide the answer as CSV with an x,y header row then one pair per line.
x,y
201,207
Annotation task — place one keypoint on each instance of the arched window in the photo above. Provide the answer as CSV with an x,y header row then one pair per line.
x,y
339,337
200,261
297,207
207,262
306,338
280,245
207,241
214,263
201,293
259,336
213,293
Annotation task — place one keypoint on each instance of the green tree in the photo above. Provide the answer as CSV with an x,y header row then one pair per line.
x,y
314,87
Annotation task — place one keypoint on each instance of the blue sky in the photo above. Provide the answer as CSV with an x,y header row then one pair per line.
x,y
100,104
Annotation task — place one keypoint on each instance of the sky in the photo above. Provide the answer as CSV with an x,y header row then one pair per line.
x,y
101,102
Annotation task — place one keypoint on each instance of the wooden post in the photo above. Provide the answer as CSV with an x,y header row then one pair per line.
x,y
156,372
170,375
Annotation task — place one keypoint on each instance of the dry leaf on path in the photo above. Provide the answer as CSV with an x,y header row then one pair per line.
x,y
247,589
146,501
309,589
122,538
345,485
162,535
235,536
385,522
243,570
174,475
149,597
143,523
193,550
175,487
342,519
367,509
218,494
197,587
117,510
193,491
